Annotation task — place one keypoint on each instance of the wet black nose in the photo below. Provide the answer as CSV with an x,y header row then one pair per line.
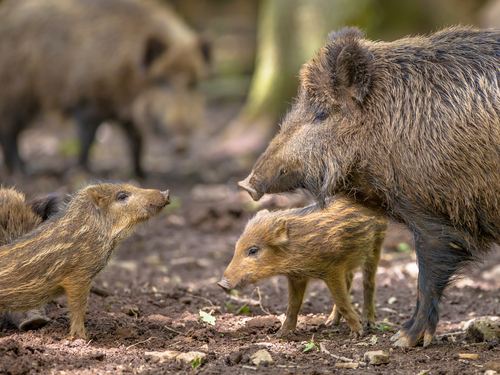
x,y
224,284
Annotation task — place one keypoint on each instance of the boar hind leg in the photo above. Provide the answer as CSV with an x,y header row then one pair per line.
x,y
335,316
369,274
340,294
135,141
296,290
439,256
77,295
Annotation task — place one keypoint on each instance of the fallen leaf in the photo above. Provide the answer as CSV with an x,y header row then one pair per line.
x,y
207,318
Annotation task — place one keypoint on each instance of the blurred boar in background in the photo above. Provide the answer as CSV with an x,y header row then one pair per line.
x,y
91,60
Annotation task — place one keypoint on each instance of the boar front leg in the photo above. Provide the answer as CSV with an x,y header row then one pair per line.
x,y
440,253
340,294
335,316
296,290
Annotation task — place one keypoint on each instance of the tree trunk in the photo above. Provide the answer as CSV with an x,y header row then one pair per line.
x,y
289,33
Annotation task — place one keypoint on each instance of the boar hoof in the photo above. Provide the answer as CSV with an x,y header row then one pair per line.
x,y
406,340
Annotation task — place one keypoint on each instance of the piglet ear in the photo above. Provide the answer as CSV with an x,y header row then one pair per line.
x,y
97,196
262,212
45,206
280,233
354,69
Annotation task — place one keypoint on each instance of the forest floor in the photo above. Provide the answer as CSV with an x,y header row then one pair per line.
x,y
148,300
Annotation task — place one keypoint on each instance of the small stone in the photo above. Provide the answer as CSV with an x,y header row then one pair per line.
x,y
346,365
234,358
484,329
491,372
191,356
471,356
261,356
495,366
377,357
162,356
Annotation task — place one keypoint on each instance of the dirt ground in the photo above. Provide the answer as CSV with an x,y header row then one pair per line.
x,y
150,296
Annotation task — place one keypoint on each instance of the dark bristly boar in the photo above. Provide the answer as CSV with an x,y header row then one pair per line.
x,y
311,243
18,217
91,60
64,254
411,127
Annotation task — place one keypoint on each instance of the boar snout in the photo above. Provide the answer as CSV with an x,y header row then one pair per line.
x,y
245,184
224,284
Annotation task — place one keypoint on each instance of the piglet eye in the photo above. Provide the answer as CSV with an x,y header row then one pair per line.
x,y
122,196
253,250
320,116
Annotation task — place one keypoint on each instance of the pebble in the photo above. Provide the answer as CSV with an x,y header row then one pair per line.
x,y
377,357
261,356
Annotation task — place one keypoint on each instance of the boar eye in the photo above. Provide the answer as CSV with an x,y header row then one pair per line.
x,y
321,116
253,251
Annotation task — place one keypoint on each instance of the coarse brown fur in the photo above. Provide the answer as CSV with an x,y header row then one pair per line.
x,y
65,253
311,243
411,127
91,60
17,218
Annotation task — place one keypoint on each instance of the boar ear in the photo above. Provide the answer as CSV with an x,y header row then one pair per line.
x,y
155,47
280,233
342,68
97,196
354,70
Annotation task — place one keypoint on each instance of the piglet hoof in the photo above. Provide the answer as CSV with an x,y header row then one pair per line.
x,y
332,322
368,324
81,334
357,334
283,333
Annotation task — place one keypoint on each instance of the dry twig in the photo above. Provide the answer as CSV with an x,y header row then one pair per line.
x,y
140,342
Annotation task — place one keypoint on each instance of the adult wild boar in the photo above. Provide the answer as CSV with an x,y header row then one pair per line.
x,y
411,127
90,59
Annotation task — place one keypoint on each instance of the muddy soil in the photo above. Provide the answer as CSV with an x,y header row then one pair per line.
x,y
150,296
